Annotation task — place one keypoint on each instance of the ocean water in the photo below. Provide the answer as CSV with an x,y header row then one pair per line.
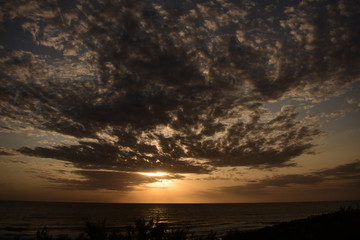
x,y
21,220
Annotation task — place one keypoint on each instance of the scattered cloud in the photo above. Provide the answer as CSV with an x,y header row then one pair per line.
x,y
345,171
100,180
5,152
354,101
90,155
105,180
158,87
349,172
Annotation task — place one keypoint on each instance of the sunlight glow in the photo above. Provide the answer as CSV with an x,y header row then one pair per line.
x,y
154,174
163,183
159,177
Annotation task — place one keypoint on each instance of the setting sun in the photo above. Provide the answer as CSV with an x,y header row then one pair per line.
x,y
154,174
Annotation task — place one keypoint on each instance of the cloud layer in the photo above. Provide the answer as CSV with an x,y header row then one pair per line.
x,y
177,87
350,173
105,180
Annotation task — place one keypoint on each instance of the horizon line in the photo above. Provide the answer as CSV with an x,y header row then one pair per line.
x,y
180,203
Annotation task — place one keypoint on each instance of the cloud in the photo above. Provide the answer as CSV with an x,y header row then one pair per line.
x,y
5,152
155,85
105,180
355,101
91,155
347,172
101,180
326,117
270,143
259,142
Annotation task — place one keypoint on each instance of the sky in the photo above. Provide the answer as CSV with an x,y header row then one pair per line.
x,y
205,101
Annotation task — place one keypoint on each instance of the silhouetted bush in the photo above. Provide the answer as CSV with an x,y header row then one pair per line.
x,y
43,234
343,224
96,230
177,234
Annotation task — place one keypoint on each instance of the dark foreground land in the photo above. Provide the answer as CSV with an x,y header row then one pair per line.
x,y
343,224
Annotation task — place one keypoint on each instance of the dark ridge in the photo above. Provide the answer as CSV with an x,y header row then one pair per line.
x,y
342,224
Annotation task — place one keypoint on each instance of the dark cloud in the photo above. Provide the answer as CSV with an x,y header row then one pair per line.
x,y
90,155
269,143
105,180
5,152
349,172
345,171
213,178
97,180
159,86
279,181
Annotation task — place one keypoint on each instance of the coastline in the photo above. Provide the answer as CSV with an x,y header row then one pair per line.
x,y
343,224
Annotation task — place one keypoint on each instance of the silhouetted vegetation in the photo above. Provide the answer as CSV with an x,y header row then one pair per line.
x,y
343,224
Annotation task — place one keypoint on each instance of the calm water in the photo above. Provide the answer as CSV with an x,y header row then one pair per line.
x,y
24,218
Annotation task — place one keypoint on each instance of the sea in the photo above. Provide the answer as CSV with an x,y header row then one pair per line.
x,y
21,220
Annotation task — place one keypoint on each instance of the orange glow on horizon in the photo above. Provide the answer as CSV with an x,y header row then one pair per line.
x,y
154,174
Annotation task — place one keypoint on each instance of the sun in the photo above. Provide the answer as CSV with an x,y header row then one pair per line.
x,y
154,174
160,177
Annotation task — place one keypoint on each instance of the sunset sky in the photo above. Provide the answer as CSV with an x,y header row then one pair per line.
x,y
199,101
